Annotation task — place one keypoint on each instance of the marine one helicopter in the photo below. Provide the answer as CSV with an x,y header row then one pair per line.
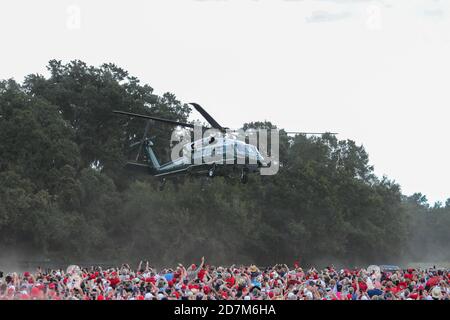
x,y
219,154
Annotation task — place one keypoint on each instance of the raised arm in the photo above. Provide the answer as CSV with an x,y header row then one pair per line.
x,y
201,264
183,271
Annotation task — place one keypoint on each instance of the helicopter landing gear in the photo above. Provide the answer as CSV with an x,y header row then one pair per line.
x,y
244,175
212,171
162,184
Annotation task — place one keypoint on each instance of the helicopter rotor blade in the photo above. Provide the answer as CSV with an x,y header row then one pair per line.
x,y
293,132
177,123
214,124
312,133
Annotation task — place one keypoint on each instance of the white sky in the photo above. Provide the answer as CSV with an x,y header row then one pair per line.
x,y
377,72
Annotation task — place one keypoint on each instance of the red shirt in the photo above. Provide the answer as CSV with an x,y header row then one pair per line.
x,y
230,282
362,286
433,281
201,274
194,286
401,286
224,294
413,296
114,281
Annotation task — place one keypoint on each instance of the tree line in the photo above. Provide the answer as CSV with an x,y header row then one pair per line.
x,y
64,193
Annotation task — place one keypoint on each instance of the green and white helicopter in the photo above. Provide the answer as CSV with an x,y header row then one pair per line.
x,y
219,154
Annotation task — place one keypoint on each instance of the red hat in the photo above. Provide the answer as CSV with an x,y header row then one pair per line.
x,y
26,274
51,286
140,297
100,297
270,294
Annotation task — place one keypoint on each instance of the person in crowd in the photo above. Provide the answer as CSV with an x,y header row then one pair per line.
x,y
208,282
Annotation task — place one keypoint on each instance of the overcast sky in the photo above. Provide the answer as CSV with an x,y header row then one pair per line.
x,y
377,72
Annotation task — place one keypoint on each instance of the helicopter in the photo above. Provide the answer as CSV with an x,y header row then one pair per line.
x,y
219,154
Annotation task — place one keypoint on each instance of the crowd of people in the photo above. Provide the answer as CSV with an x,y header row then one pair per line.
x,y
208,282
